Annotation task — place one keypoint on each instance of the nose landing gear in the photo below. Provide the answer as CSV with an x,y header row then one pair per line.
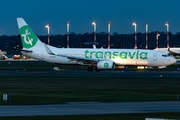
x,y
90,69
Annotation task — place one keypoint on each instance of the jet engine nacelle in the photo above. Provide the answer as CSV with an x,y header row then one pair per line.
x,y
105,65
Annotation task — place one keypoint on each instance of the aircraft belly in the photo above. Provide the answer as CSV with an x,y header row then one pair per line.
x,y
64,60
142,62
125,62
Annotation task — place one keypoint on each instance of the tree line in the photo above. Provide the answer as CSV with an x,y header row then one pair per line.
x,y
86,40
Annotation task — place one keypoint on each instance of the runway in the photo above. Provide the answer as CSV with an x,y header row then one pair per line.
x,y
84,73
24,70
90,108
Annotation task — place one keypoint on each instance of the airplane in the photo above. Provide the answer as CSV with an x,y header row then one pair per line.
x,y
175,52
94,58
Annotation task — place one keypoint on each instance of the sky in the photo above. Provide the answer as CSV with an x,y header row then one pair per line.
x,y
81,14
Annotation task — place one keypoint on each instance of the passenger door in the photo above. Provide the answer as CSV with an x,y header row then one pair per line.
x,y
155,56
42,55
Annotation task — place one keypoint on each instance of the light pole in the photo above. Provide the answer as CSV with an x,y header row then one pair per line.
x,y
94,24
68,24
167,26
146,36
157,36
109,27
135,37
48,27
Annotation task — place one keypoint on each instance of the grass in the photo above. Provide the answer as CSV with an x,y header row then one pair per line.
x,y
55,90
139,116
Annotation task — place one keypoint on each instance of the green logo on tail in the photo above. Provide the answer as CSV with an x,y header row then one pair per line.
x,y
28,38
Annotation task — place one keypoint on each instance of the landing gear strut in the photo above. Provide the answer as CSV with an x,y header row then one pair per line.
x,y
97,70
90,69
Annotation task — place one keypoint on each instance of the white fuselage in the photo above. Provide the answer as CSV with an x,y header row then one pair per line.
x,y
137,57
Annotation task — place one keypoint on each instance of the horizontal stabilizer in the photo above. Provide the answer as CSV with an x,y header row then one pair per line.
x,y
26,50
19,49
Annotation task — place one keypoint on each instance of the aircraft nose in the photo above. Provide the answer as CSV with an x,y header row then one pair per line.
x,y
172,60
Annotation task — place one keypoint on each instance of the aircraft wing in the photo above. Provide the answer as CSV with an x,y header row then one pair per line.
x,y
173,52
75,58
80,59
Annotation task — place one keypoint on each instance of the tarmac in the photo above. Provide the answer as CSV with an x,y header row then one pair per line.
x,y
84,108
84,73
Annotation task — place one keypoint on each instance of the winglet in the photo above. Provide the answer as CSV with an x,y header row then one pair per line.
x,y
169,49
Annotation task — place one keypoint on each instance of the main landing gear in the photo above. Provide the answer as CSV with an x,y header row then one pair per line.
x,y
90,69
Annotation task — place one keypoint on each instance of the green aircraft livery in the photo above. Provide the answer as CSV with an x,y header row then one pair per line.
x,y
115,54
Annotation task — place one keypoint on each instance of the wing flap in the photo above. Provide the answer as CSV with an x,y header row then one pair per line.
x,y
80,59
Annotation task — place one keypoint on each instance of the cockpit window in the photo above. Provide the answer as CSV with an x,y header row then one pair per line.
x,y
165,55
